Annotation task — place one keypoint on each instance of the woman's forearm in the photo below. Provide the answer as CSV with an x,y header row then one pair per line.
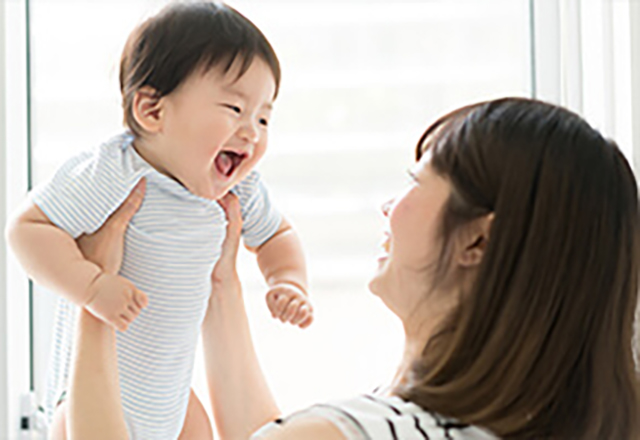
x,y
94,406
241,399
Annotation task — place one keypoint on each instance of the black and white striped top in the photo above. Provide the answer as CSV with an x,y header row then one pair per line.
x,y
374,417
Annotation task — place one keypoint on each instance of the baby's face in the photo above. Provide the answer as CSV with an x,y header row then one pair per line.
x,y
214,127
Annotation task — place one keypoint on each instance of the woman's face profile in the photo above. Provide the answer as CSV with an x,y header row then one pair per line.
x,y
411,244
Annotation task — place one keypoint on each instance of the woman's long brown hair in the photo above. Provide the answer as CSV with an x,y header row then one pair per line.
x,y
541,346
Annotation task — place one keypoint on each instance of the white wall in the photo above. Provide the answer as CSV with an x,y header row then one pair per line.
x,y
3,297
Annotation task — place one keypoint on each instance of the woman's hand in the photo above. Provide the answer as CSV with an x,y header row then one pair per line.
x,y
114,299
240,397
105,247
94,408
225,275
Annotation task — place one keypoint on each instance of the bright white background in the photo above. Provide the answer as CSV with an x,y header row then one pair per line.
x,y
361,81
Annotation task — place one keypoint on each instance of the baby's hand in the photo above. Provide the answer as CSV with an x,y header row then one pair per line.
x,y
116,300
289,303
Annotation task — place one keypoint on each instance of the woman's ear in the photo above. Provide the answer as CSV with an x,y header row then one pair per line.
x,y
474,240
147,109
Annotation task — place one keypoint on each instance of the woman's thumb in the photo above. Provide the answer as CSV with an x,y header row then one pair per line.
x,y
123,215
231,207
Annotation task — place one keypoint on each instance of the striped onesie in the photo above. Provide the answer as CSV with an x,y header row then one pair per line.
x,y
171,246
376,417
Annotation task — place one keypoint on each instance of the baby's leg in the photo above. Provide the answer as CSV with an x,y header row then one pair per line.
x,y
58,429
196,423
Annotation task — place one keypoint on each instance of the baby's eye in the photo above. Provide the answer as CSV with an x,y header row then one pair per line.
x,y
264,122
233,108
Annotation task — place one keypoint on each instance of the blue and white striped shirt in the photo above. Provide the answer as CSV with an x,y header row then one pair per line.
x,y
171,246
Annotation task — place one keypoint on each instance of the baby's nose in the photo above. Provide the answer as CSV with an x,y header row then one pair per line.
x,y
250,133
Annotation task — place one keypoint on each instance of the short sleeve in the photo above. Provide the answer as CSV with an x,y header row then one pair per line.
x,y
86,190
260,218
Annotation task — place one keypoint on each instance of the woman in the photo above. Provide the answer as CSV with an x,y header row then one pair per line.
x,y
512,262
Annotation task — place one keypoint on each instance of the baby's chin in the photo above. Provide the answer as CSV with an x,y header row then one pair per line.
x,y
209,192
211,188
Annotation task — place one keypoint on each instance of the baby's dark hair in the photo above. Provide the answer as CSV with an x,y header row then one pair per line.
x,y
167,48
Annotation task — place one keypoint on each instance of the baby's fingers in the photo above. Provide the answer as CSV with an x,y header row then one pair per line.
x,y
119,323
128,316
291,310
140,299
134,310
303,313
272,303
307,321
280,306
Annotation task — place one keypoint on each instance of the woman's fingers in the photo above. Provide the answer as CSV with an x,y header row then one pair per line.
x,y
231,206
125,212
227,262
106,246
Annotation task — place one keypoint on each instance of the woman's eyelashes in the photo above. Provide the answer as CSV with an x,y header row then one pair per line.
x,y
412,178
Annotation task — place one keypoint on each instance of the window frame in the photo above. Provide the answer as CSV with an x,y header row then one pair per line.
x,y
15,373
554,29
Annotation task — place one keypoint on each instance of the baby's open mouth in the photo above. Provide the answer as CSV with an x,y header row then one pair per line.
x,y
228,161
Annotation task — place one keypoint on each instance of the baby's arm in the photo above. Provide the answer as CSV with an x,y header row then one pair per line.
x,y
282,263
52,258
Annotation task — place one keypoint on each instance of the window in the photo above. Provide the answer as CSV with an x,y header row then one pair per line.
x,y
361,81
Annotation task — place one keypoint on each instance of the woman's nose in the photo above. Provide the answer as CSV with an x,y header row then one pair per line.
x,y
386,207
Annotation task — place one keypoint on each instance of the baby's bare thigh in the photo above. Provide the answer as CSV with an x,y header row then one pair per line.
x,y
196,423
58,429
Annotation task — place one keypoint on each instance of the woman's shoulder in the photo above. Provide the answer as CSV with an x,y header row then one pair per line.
x,y
377,417
308,427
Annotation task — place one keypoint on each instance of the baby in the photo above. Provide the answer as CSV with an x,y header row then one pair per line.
x,y
198,82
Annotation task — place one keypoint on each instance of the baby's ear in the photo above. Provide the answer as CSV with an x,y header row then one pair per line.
x,y
147,109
